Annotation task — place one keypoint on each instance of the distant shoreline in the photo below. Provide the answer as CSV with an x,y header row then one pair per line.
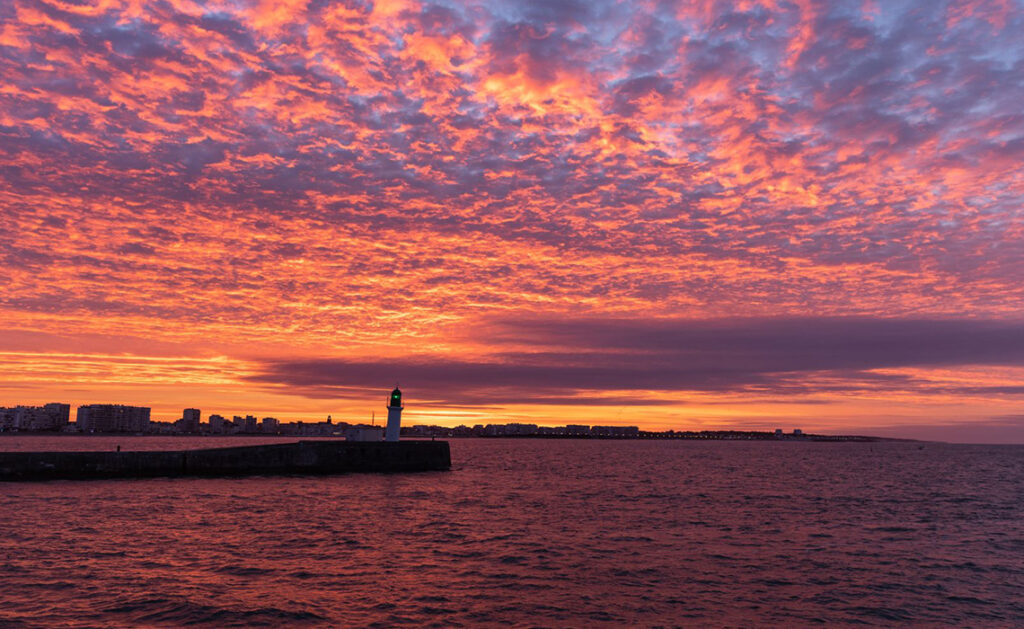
x,y
714,435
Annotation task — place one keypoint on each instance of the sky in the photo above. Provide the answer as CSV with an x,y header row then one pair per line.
x,y
695,215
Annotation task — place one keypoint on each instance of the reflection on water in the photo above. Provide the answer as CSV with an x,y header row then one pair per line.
x,y
532,533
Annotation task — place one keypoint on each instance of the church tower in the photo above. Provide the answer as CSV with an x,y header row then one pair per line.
x,y
394,416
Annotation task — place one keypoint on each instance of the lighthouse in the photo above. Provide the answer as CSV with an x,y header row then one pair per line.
x,y
394,416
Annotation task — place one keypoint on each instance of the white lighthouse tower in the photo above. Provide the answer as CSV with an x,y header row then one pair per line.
x,y
394,416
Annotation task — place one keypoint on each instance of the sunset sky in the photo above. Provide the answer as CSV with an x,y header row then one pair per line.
x,y
703,215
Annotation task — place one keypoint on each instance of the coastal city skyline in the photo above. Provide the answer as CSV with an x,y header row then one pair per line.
x,y
670,215
120,419
123,418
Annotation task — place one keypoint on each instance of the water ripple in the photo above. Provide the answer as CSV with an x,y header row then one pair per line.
x,y
536,534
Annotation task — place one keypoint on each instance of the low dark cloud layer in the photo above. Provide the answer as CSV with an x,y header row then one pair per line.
x,y
592,358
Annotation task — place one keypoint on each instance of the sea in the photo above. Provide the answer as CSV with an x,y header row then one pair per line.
x,y
531,533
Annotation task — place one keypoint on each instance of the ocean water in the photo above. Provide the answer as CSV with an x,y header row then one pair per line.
x,y
532,533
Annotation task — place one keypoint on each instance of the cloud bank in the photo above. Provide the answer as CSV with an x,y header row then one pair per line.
x,y
577,362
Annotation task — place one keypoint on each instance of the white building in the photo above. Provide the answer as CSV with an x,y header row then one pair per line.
x,y
53,416
394,416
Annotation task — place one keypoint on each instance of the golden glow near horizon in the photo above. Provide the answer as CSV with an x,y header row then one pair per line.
x,y
714,215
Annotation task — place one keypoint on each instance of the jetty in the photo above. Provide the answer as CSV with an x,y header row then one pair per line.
x,y
320,457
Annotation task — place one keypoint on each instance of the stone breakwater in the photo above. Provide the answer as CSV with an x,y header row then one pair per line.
x,y
303,457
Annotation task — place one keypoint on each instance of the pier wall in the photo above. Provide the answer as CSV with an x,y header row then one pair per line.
x,y
303,457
